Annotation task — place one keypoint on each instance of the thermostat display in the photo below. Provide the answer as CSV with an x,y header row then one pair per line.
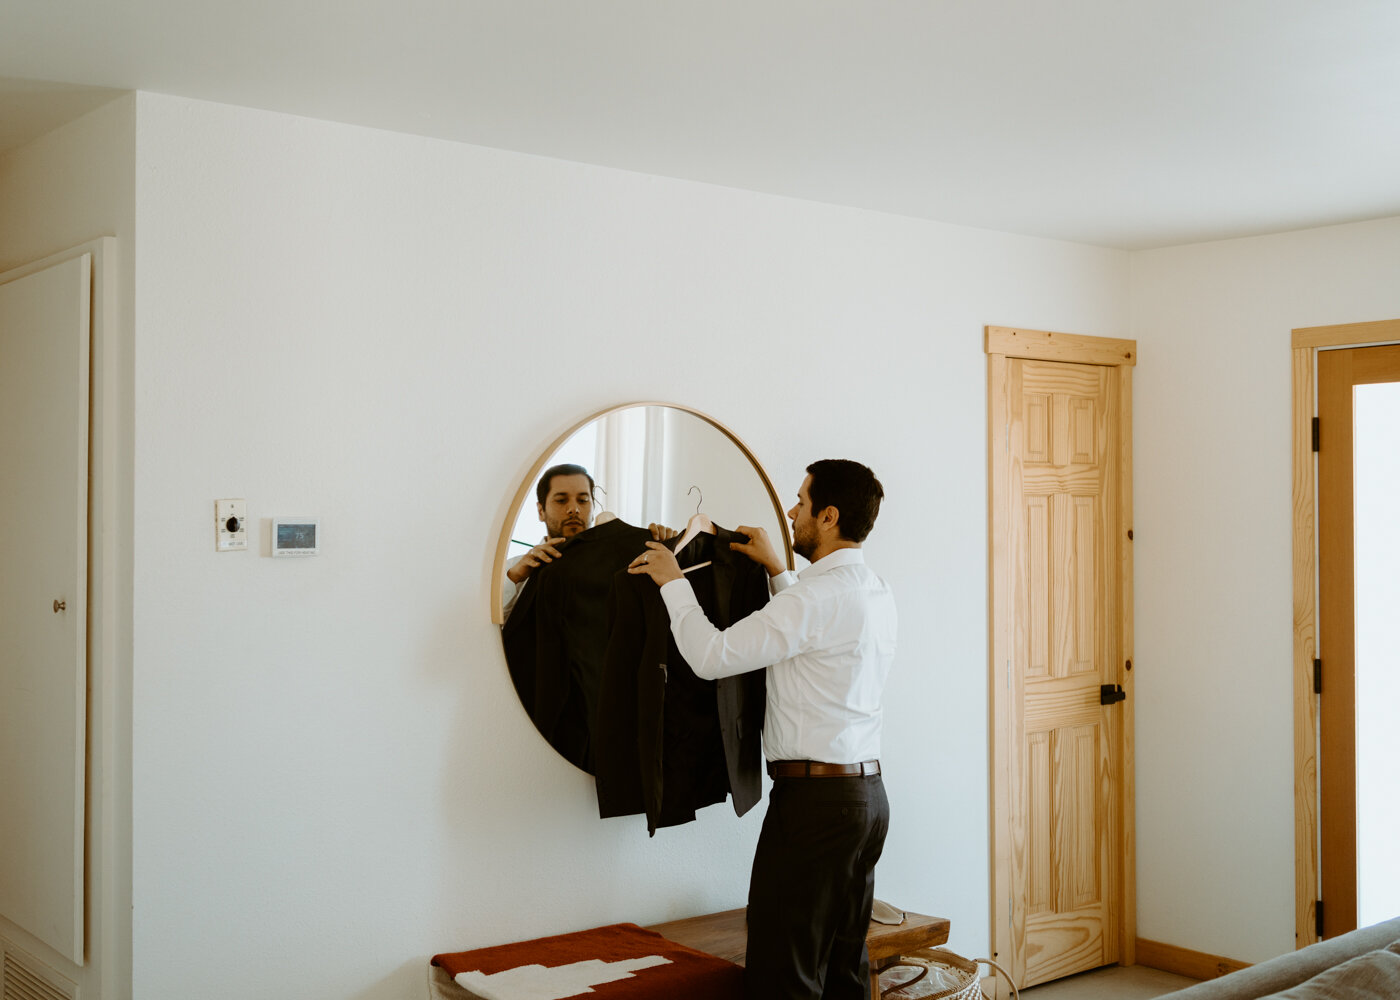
x,y
295,536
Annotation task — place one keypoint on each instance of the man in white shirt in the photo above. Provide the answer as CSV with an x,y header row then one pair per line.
x,y
827,639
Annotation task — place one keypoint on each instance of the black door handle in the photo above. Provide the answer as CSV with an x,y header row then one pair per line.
x,y
1111,694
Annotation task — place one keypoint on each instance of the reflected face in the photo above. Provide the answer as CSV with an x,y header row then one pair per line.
x,y
804,525
568,507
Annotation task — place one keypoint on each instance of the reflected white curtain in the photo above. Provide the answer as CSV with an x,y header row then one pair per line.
x,y
629,464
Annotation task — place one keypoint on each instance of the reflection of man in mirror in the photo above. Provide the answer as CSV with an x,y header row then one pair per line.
x,y
827,640
564,497
554,598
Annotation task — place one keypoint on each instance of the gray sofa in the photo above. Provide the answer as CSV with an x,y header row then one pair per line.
x,y
1362,964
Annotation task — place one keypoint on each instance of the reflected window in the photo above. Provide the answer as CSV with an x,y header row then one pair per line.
x,y
655,464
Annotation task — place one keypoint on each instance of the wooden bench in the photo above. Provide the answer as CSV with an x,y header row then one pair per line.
x,y
725,935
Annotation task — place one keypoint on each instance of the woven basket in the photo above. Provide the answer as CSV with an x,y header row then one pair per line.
x,y
937,974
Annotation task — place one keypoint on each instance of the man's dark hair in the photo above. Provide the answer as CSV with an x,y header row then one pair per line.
x,y
849,487
567,469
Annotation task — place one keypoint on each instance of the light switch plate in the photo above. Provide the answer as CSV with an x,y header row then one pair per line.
x,y
230,525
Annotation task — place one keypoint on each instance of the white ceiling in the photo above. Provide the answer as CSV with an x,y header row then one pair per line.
x,y
1126,123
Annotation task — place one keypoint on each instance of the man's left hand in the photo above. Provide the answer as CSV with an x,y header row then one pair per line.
x,y
658,563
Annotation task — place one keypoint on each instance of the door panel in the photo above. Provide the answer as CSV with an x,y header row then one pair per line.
x,y
1339,372
1062,764
45,330
1040,825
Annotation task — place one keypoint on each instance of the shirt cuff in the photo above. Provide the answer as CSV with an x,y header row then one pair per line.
x,y
679,596
784,580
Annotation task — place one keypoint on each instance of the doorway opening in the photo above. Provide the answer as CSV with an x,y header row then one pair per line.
x,y
1346,668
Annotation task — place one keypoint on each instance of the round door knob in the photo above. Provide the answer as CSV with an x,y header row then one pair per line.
x,y
59,606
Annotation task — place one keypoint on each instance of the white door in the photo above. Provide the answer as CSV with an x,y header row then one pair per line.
x,y
45,329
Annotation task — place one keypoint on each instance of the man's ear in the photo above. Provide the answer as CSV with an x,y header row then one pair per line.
x,y
830,518
540,507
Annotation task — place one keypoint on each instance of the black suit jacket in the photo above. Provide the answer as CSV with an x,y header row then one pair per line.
x,y
667,742
556,635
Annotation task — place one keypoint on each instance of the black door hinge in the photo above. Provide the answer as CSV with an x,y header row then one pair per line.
x,y
1110,694
1317,433
1317,677
1318,926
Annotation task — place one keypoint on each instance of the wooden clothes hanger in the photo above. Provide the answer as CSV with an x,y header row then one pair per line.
x,y
698,524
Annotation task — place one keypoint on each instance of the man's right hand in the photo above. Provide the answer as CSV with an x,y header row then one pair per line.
x,y
759,549
541,553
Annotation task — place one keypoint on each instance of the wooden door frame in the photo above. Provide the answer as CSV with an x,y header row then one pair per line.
x,y
1001,344
1307,341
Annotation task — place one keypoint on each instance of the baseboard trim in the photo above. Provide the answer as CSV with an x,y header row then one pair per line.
x,y
1184,961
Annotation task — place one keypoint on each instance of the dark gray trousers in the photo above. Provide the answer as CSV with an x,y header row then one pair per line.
x,y
811,889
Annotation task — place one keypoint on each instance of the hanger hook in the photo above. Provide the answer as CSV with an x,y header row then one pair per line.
x,y
696,489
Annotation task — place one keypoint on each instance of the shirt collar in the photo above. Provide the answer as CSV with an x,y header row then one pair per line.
x,y
849,556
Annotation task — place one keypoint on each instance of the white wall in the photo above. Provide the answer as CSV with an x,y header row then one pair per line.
x,y
1213,481
60,191
333,779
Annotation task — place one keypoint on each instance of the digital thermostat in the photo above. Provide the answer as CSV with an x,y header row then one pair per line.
x,y
295,536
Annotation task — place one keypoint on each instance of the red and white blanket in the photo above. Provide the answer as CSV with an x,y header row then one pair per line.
x,y
617,962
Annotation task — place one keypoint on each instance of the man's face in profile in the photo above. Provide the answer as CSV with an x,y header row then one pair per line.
x,y
804,525
568,507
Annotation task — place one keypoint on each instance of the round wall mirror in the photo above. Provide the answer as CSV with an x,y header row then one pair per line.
x,y
651,464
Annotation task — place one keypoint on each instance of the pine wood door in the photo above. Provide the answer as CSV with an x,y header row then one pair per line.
x,y
1338,373
1061,618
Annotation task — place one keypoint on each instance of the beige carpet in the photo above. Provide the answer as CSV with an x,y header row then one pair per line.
x,y
1133,982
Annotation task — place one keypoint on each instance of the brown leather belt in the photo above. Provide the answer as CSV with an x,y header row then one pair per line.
x,y
816,769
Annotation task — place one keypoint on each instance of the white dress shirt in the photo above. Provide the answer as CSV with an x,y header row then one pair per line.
x,y
510,590
827,638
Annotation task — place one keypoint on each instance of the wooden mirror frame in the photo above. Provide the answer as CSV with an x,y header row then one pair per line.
x,y
527,487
